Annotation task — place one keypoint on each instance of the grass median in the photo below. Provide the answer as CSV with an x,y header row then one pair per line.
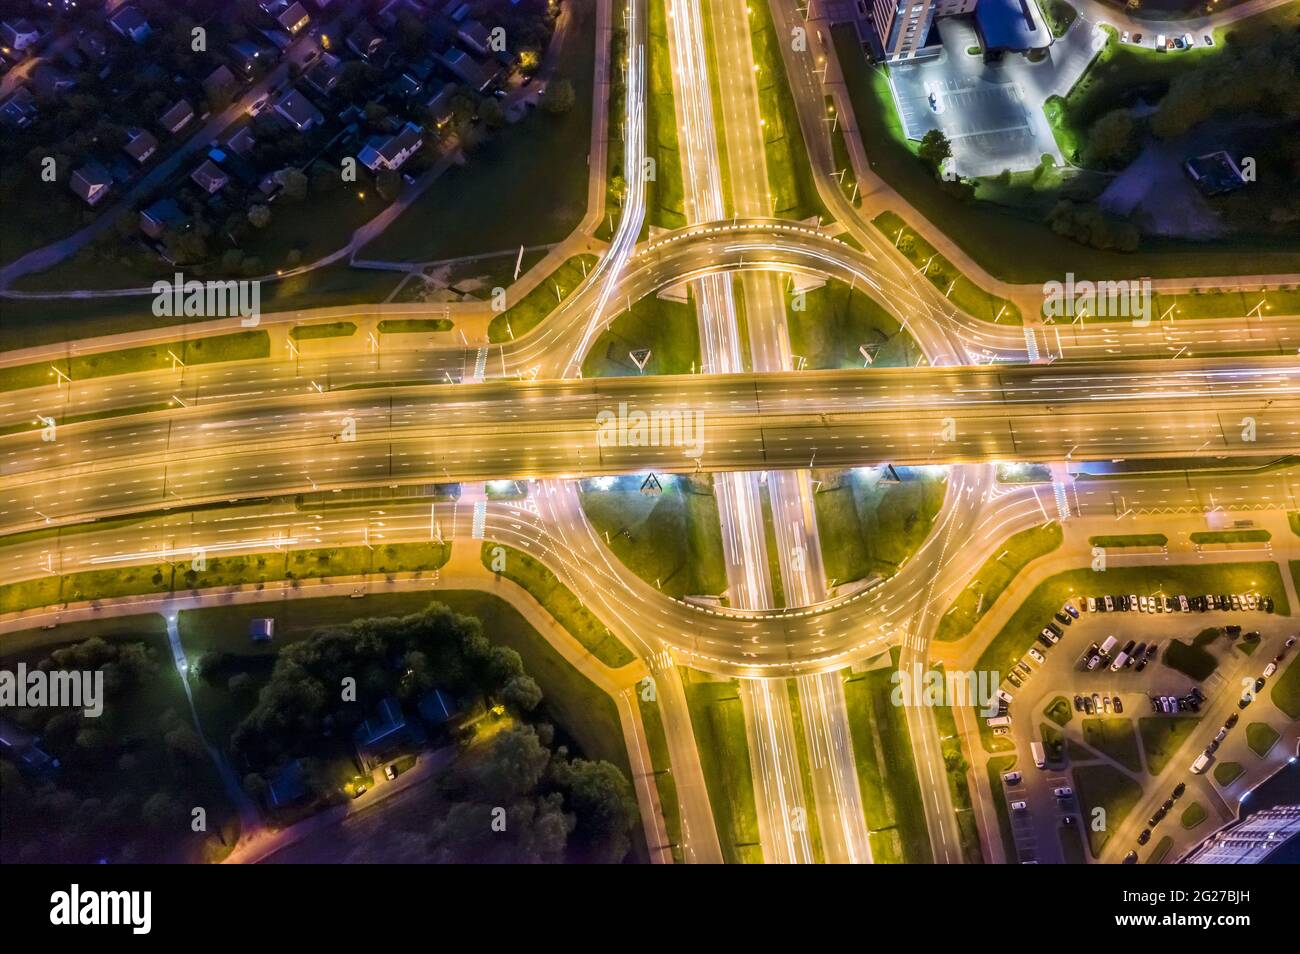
x,y
994,577
519,319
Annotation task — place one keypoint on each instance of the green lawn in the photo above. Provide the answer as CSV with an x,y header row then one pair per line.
x,y
672,539
1114,738
237,346
882,750
719,724
995,576
1285,692
956,766
669,330
1106,787
872,526
222,571
1261,737
1161,849
560,602
1193,815
831,323
1191,659
959,289
1059,15
525,315
806,810
665,198
1162,736
1225,773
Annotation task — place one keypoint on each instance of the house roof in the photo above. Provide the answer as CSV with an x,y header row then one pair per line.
x,y
91,180
140,143
219,80
165,212
298,109
209,176
177,116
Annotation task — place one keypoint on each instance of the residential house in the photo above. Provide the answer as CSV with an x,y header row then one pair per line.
x,y
92,45
177,116
466,68
91,182
438,103
131,23
279,39
220,86
297,110
162,215
24,748
364,41
391,152
380,733
293,18
140,144
246,55
287,785
242,142
325,73
19,110
50,81
474,35
209,177
18,36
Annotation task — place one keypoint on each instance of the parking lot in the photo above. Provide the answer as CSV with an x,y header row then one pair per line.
x,y
1137,690
991,113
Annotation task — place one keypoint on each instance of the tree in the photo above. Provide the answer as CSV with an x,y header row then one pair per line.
x,y
559,97
522,692
934,149
1110,139
259,216
493,116
603,806
294,183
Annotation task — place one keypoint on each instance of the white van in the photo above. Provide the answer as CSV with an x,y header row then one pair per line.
x,y
1119,662
1108,645
1202,761
1040,757
998,720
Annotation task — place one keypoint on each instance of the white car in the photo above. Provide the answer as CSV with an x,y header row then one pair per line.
x,y
1036,656
1018,806
1270,669
1011,778
1063,792
1123,37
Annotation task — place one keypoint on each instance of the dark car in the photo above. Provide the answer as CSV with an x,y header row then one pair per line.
x,y
1169,803
1145,836
1155,704
1232,720
1063,619
1131,858
1078,703
1179,789
1117,705
1056,629
1088,706
1259,683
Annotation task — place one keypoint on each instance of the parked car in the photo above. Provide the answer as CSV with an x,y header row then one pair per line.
x,y
1018,806
1119,706
1011,778
1036,656
1078,703
1179,789
1144,836
1063,792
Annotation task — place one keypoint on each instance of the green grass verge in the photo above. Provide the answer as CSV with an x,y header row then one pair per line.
x,y
1107,788
1225,773
1114,738
869,526
806,811
828,325
669,330
718,720
1286,690
525,315
665,197
956,766
1060,712
998,765
672,539
411,326
1161,850
945,276
882,751
1116,541
665,782
1231,536
1261,737
237,346
1193,815
995,576
560,602
332,329
220,572
1162,737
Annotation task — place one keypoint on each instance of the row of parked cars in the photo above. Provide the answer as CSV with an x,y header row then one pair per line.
x,y
1178,604
1172,704
1133,655
1156,819
1098,704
